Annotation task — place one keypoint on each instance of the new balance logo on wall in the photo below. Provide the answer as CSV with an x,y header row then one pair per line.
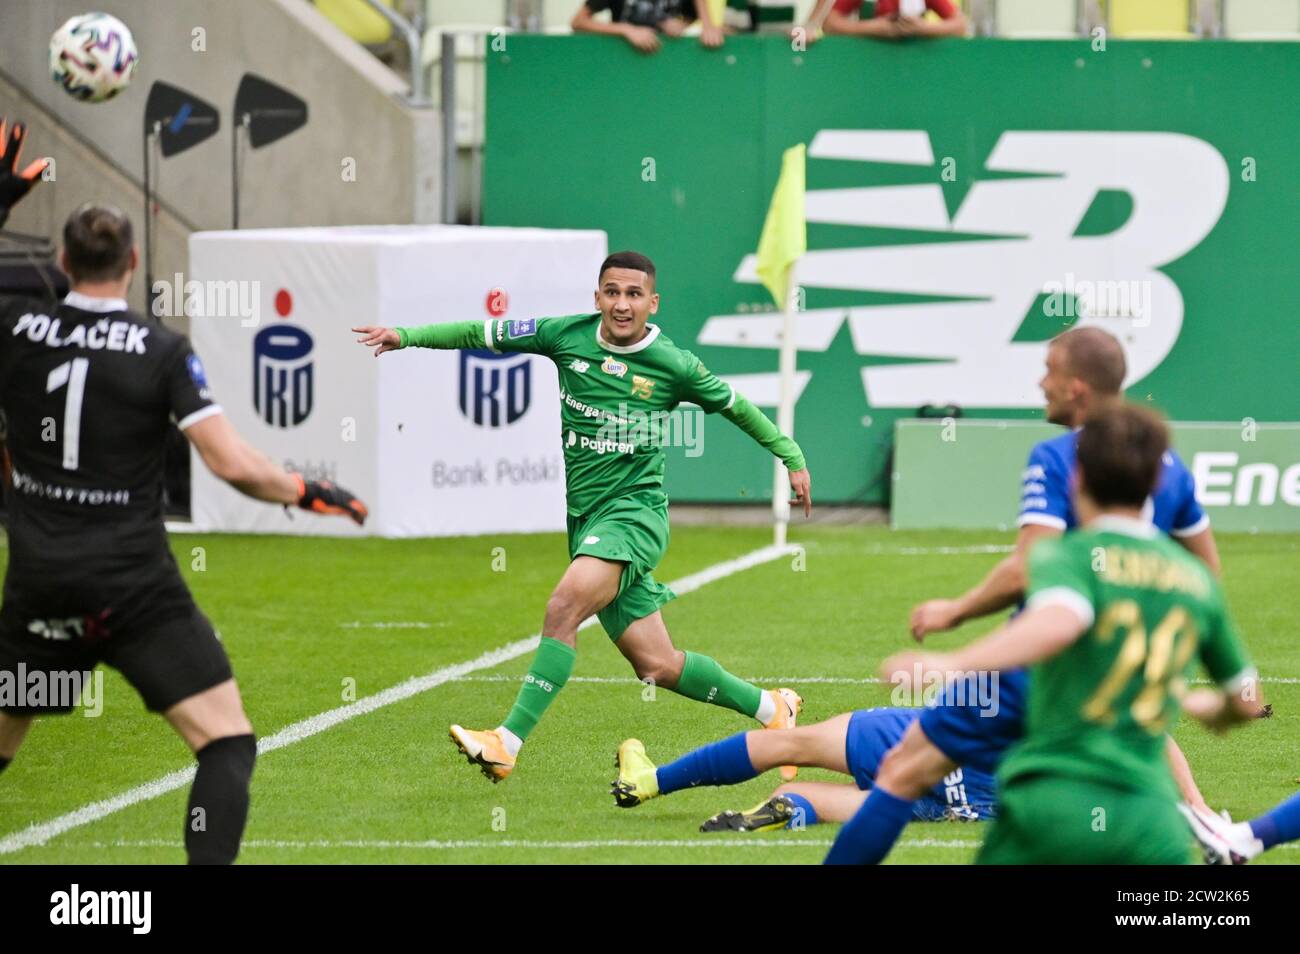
x,y
1009,242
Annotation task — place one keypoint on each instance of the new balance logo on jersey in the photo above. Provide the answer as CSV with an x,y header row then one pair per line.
x,y
495,389
103,335
579,366
282,375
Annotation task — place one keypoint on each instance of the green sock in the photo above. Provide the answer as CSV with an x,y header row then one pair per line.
x,y
705,681
546,677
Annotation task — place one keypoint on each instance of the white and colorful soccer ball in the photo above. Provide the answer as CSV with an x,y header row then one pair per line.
x,y
92,57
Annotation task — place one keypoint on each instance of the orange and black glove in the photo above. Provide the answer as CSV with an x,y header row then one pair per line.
x,y
327,497
14,184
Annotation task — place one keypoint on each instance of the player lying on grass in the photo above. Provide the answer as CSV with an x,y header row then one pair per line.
x,y
852,743
1085,368
91,577
1115,617
619,375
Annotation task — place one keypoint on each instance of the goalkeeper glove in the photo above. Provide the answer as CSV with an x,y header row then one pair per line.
x,y
327,497
14,184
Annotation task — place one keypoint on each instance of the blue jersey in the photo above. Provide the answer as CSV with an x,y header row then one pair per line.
x,y
965,794
1045,491
961,730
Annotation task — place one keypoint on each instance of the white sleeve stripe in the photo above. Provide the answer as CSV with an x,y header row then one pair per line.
x,y
732,399
487,334
1063,596
1198,527
1240,680
199,415
1042,519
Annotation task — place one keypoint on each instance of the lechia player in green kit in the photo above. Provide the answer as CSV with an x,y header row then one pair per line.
x,y
615,369
1115,617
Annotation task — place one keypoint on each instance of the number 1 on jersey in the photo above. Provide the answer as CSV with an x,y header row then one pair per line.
x,y
73,374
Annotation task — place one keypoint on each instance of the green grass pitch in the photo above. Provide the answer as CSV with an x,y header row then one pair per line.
x,y
306,620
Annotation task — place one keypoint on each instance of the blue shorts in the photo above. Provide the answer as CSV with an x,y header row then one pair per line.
x,y
976,733
965,794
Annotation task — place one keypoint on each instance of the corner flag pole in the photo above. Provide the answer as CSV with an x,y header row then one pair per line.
x,y
785,411
782,244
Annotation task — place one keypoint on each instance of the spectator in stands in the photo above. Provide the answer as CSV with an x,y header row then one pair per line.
x,y
641,21
893,19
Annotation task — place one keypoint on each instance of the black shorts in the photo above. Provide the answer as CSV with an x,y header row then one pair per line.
x,y
155,636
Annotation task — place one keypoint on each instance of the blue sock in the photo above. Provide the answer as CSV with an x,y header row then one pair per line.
x,y
804,813
718,763
867,837
1279,825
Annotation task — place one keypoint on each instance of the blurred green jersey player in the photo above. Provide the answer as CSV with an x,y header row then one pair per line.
x,y
620,379
1116,616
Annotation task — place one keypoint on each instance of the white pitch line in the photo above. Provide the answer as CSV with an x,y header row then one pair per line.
x,y
357,624
479,843
738,841
40,833
626,681
927,551
796,680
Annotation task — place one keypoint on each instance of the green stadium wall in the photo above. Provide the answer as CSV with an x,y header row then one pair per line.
x,y
985,182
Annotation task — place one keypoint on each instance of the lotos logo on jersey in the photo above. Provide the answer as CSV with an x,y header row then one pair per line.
x,y
1026,216
495,389
616,368
282,375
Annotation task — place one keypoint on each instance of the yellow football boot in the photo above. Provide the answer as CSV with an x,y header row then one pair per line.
x,y
484,749
636,782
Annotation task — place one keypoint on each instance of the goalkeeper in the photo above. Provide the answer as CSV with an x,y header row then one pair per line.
x,y
616,371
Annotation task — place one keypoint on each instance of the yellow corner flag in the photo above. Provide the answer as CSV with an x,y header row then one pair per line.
x,y
785,234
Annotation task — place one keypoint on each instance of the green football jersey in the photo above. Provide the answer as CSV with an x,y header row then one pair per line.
x,y
1100,709
616,402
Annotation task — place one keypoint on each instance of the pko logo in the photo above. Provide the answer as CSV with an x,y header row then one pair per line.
x,y
494,388
282,375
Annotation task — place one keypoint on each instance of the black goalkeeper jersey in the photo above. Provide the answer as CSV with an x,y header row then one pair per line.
x,y
88,389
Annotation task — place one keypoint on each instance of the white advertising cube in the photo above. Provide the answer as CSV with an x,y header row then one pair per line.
x,y
437,443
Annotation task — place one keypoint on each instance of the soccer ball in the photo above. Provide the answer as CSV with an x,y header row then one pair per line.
x,y
92,57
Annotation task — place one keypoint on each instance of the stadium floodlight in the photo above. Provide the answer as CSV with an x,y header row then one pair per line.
x,y
174,120
264,113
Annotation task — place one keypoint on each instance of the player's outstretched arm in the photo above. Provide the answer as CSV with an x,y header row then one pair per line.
x,y
452,335
253,474
1219,711
1203,546
1002,587
708,391
1038,633
757,425
15,184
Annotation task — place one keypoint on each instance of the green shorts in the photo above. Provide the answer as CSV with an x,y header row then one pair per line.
x,y
1052,820
633,530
